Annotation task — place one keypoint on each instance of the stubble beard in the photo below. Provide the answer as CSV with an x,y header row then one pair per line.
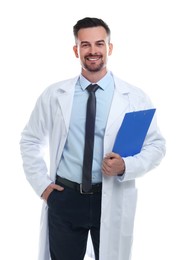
x,y
94,68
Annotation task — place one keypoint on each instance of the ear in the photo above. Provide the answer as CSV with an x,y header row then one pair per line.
x,y
75,49
110,49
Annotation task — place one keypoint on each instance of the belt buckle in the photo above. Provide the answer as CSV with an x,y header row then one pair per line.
x,y
82,192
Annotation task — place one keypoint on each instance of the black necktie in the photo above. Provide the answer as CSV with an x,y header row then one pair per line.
x,y
89,138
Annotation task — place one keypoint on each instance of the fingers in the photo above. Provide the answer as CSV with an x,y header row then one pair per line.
x,y
112,155
106,168
49,189
112,164
107,164
56,187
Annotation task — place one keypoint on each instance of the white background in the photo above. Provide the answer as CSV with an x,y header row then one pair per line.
x,y
150,51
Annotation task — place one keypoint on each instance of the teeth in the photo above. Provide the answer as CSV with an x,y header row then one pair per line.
x,y
93,59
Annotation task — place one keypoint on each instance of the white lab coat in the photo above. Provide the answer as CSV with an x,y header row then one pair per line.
x,y
49,122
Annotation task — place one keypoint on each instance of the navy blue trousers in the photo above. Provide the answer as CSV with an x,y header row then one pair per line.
x,y
71,216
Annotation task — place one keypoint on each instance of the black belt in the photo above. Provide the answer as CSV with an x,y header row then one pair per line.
x,y
78,187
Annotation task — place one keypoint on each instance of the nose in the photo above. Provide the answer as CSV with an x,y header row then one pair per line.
x,y
93,49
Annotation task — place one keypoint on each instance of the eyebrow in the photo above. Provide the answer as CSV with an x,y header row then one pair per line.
x,y
95,42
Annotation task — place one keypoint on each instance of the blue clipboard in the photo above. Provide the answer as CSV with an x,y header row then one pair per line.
x,y
132,133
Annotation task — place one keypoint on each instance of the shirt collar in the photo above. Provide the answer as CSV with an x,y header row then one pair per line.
x,y
103,83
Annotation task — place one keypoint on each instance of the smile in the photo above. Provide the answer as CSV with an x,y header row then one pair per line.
x,y
93,58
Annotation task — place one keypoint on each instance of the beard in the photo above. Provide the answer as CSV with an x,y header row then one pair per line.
x,y
93,66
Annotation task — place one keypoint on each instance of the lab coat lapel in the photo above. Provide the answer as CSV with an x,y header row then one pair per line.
x,y
65,99
120,105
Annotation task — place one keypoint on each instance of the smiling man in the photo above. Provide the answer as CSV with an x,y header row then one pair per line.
x,y
88,188
93,48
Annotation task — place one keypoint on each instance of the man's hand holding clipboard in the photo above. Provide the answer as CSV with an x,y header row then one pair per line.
x,y
129,140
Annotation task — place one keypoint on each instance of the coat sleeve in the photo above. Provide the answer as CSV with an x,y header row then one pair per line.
x,y
154,146
34,143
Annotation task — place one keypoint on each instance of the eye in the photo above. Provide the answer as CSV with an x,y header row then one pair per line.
x,y
100,43
85,45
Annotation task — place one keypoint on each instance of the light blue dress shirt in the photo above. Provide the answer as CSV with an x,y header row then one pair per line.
x,y
71,163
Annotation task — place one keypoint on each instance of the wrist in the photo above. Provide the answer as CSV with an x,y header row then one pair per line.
x,y
120,174
123,170
46,193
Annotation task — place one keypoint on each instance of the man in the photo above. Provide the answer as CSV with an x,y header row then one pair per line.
x,y
107,208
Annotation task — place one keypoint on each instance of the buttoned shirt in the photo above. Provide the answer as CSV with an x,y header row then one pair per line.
x,y
71,163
